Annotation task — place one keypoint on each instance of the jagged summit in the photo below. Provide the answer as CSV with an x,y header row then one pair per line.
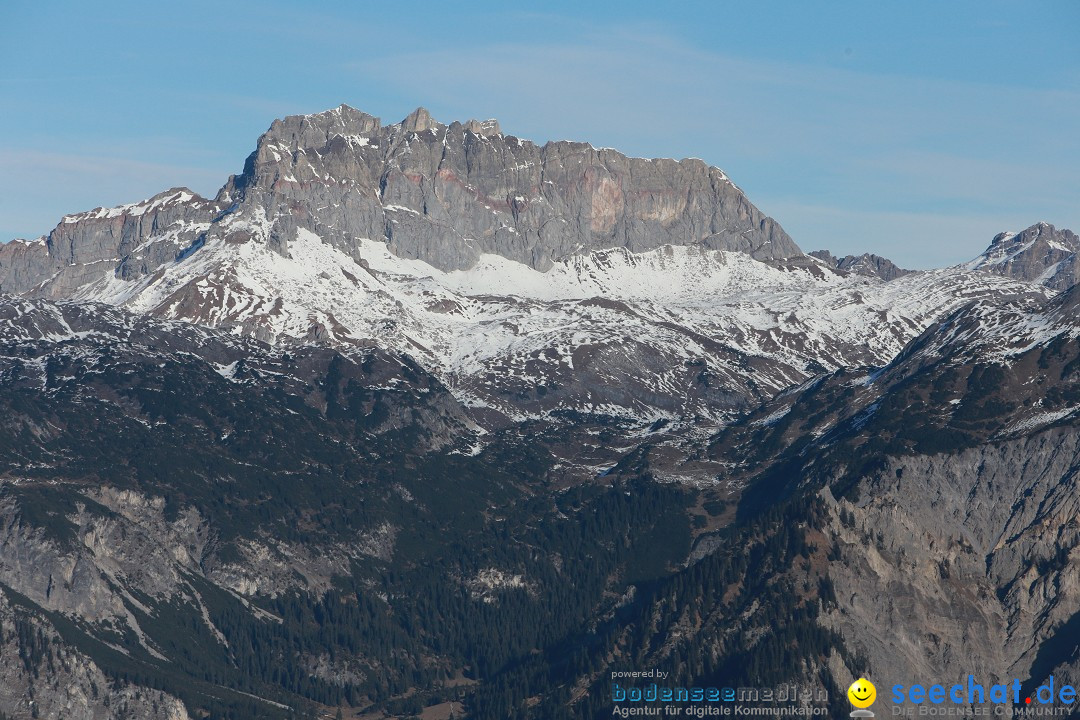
x,y
447,194
1041,254
319,128
866,264
484,128
418,120
346,120
172,197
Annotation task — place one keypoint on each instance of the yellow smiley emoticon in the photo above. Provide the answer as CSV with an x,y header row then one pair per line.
x,y
862,693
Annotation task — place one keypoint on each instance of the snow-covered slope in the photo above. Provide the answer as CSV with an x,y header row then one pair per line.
x,y
532,280
672,332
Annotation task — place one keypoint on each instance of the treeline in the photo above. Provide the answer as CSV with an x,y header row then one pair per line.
x,y
384,632
777,644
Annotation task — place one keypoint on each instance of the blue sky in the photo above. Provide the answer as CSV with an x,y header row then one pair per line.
x,y
915,130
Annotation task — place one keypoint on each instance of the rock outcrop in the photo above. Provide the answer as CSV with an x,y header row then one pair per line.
x,y
1041,254
132,240
444,194
41,676
866,264
447,193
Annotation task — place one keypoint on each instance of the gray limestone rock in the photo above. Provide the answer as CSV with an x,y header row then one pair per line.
x,y
1041,254
65,683
483,128
418,121
962,564
866,264
447,193
444,194
131,241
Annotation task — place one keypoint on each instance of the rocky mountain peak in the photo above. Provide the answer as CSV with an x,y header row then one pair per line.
x,y
447,199
418,120
484,128
1041,253
319,128
866,264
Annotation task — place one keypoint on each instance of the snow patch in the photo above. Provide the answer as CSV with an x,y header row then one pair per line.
x,y
1041,419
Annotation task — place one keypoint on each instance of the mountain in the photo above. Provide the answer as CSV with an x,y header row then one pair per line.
x,y
865,264
1041,254
949,478
444,194
424,418
264,532
641,290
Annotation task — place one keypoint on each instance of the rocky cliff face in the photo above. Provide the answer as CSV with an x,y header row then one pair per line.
x,y
1041,254
42,676
949,477
447,193
131,240
444,194
965,563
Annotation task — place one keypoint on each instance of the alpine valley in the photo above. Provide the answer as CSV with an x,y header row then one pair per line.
x,y
427,419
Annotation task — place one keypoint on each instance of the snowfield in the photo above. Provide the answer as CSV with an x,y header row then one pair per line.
x,y
503,327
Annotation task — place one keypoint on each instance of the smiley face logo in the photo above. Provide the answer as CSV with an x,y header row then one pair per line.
x,y
862,693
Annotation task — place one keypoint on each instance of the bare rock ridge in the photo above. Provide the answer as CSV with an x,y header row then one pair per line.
x,y
418,121
866,264
447,193
444,194
484,128
1041,254
963,515
136,238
